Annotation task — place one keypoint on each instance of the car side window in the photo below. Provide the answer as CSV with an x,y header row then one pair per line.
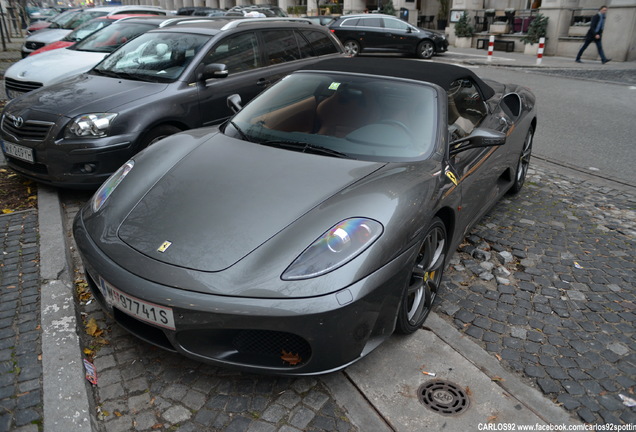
x,y
237,52
303,45
320,42
466,108
394,24
281,46
371,22
350,22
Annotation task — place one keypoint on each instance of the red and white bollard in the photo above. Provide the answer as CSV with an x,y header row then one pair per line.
x,y
491,47
540,51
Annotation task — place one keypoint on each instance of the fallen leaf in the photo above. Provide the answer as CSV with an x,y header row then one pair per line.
x,y
497,378
491,419
468,391
292,359
157,426
7,211
93,329
498,356
117,413
89,352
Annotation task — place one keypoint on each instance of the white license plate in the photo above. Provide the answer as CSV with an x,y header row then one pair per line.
x,y
145,311
18,151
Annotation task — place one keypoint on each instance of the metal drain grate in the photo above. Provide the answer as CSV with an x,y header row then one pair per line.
x,y
443,397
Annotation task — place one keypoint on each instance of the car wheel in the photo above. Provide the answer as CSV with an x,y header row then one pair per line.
x,y
425,49
352,48
524,163
156,134
425,279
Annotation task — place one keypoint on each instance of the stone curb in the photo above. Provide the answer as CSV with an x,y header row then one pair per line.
x,y
65,396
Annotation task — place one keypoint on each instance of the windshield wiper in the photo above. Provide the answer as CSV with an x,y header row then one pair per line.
x,y
113,74
242,134
306,147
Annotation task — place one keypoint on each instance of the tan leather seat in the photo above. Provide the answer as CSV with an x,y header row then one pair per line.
x,y
345,111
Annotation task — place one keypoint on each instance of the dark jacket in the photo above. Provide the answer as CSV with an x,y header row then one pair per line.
x,y
591,33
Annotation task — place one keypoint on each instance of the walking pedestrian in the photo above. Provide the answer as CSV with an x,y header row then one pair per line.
x,y
594,34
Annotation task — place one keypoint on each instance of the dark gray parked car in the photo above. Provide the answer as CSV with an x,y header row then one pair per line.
x,y
319,219
377,33
78,132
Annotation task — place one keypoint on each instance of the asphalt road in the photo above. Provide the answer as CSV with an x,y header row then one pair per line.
x,y
583,123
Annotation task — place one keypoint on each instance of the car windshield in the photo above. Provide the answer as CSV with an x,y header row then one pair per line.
x,y
344,115
157,57
112,37
90,27
81,18
60,20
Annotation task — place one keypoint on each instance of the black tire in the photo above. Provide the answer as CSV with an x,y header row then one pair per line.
x,y
425,49
425,279
524,163
352,47
156,134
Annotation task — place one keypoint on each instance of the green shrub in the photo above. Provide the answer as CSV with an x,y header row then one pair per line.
x,y
463,27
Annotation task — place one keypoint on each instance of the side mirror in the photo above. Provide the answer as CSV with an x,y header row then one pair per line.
x,y
234,103
480,137
214,70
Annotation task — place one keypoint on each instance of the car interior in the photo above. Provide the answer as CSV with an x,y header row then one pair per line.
x,y
348,115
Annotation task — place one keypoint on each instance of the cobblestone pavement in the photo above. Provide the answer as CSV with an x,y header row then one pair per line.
x,y
143,388
20,340
547,283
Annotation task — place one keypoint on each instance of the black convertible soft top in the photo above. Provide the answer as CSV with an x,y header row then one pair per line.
x,y
438,73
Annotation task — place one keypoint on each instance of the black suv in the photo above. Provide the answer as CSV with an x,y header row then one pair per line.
x,y
77,132
387,34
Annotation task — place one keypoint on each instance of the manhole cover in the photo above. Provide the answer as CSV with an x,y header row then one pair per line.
x,y
443,397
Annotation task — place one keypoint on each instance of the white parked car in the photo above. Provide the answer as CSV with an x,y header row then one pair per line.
x,y
50,67
56,32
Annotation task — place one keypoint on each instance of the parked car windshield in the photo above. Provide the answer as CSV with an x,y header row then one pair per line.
x,y
354,116
158,57
64,18
81,18
112,37
87,28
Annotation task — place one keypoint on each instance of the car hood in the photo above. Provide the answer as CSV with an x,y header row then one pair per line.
x,y
84,94
53,66
49,36
53,46
228,197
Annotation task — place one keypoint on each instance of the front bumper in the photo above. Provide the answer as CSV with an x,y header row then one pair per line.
x,y
323,333
441,45
82,164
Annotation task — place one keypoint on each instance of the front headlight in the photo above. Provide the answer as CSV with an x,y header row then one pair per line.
x,y
342,243
91,125
109,185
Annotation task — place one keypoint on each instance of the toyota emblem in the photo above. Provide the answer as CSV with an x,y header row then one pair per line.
x,y
17,121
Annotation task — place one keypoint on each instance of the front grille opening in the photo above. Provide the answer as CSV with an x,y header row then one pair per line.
x,y
142,330
264,348
273,343
30,130
36,168
21,86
